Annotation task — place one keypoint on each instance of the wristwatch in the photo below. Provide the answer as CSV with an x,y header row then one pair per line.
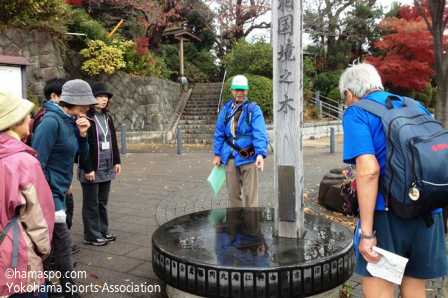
x,y
365,236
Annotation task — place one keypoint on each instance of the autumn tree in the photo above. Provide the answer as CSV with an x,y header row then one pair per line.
x,y
407,55
343,29
234,20
437,24
154,15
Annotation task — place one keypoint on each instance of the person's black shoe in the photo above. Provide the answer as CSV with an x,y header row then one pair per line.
x,y
75,248
110,236
96,242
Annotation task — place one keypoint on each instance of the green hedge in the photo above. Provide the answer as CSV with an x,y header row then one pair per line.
x,y
260,91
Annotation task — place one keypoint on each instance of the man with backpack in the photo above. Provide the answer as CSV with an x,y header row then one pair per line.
x,y
240,143
52,92
401,181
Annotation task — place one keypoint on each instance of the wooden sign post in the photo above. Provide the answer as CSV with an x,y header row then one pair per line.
x,y
288,117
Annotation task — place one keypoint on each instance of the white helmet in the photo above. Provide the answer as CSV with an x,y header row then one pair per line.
x,y
239,82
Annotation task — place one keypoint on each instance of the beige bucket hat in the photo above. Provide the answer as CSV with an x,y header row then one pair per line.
x,y
13,109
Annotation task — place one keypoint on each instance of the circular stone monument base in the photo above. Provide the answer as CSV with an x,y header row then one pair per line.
x,y
176,293
232,252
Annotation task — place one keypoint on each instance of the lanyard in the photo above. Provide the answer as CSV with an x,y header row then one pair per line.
x,y
105,132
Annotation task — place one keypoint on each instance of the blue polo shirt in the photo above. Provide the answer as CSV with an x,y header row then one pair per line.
x,y
364,134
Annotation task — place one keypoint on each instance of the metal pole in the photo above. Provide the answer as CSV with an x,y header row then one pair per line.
x,y
318,105
332,140
179,140
123,139
340,111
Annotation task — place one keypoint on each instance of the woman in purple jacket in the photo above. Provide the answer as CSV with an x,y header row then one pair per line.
x,y
26,204
98,170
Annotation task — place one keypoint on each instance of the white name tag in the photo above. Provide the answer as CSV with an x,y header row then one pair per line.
x,y
105,145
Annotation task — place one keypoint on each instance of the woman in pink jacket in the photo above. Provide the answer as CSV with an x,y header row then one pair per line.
x,y
26,205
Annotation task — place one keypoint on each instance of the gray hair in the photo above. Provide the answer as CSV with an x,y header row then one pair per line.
x,y
360,79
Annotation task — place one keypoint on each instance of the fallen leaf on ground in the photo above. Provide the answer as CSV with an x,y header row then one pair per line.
x,y
93,275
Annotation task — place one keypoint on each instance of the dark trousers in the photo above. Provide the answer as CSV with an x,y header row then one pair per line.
x,y
94,209
61,250
69,205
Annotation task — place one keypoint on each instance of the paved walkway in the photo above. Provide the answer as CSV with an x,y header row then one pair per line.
x,y
157,185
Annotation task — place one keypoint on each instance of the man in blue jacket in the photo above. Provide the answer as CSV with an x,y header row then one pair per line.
x,y
240,143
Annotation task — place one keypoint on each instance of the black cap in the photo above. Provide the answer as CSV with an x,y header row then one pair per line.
x,y
100,88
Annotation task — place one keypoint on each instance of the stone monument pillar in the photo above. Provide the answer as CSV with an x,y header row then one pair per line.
x,y
288,117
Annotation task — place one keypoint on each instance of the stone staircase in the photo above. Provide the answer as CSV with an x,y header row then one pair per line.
x,y
200,114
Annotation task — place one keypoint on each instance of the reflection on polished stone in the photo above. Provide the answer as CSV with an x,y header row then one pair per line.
x,y
233,250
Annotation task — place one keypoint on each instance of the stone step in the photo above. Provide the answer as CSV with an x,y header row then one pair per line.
x,y
198,131
198,126
201,106
199,117
205,94
192,112
207,90
197,136
197,122
210,99
198,141
212,87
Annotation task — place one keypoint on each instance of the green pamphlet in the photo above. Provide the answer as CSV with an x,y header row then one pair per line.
x,y
216,179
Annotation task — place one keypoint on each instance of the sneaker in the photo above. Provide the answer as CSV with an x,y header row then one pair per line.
x,y
75,248
96,242
110,236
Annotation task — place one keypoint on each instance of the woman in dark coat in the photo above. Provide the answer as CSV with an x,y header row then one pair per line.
x,y
99,169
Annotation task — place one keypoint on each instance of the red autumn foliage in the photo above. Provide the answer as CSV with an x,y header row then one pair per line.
x,y
141,51
74,2
408,53
142,41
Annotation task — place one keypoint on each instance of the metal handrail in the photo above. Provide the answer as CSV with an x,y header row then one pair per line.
x,y
222,88
327,107
327,98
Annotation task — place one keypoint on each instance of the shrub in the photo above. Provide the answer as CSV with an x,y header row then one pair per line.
x,y
81,22
326,81
102,57
147,64
32,14
422,98
31,96
204,68
335,95
194,74
251,58
309,72
260,91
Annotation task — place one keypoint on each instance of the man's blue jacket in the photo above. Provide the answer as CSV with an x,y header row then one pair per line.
x,y
255,134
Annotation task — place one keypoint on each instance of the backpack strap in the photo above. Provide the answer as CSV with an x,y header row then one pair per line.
x,y
411,103
371,106
250,110
15,253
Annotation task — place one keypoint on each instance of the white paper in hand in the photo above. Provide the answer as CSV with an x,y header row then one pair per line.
x,y
390,267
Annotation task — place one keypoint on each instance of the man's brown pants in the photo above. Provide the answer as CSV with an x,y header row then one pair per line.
x,y
245,178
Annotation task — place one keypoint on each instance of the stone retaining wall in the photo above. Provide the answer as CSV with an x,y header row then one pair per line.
x,y
142,103
313,130
42,51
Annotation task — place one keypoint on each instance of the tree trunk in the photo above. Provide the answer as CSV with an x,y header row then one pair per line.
x,y
437,9
154,33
